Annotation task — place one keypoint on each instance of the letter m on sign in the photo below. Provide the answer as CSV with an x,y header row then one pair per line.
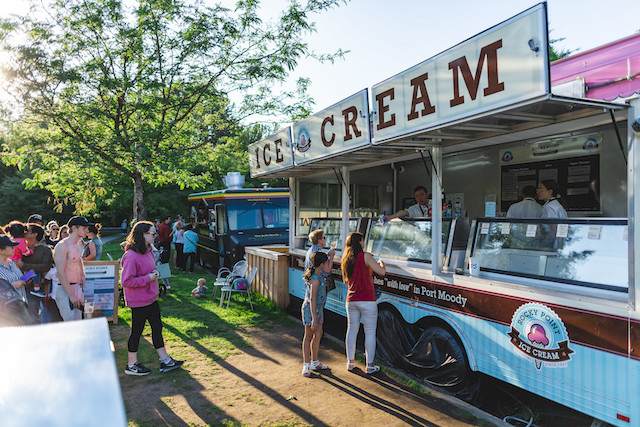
x,y
460,65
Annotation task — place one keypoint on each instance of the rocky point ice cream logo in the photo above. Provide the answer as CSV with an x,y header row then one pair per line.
x,y
304,139
538,334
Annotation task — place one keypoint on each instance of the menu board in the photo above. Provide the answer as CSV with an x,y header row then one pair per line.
x,y
101,289
577,177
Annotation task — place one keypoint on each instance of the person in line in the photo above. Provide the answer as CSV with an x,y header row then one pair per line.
x,y
315,296
200,291
178,242
190,247
140,285
357,267
18,230
554,206
164,239
527,207
419,210
173,241
40,262
68,259
318,241
63,234
51,235
93,248
36,219
8,269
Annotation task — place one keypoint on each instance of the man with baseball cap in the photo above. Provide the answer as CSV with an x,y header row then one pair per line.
x,y
36,219
68,260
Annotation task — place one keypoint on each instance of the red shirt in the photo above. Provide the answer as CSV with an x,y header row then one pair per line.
x,y
361,283
163,232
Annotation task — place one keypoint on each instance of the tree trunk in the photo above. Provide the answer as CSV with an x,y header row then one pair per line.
x,y
139,210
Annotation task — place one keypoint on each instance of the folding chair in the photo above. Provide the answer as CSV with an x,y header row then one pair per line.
x,y
230,290
226,276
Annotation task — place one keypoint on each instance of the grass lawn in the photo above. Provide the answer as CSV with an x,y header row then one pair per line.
x,y
193,328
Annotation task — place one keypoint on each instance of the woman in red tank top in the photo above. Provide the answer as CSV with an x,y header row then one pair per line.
x,y
357,267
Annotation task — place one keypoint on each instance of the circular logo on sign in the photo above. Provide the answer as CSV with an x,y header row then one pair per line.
x,y
538,334
507,156
590,144
304,139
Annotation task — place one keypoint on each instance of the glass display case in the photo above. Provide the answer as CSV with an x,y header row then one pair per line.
x,y
332,228
582,252
405,239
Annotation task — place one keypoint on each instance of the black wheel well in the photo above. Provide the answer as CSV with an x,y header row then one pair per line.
x,y
428,321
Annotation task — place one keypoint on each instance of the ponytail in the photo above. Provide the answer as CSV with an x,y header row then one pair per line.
x,y
317,258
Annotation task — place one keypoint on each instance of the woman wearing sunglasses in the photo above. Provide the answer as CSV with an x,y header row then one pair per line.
x,y
140,285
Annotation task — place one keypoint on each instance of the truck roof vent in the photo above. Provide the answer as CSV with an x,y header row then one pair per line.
x,y
233,180
265,185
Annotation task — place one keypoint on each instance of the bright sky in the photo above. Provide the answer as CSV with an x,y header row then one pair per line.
x,y
385,37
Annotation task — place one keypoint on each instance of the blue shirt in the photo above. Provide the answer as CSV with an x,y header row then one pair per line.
x,y
190,242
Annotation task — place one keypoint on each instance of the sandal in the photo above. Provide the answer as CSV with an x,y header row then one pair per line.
x,y
305,370
317,366
350,366
372,369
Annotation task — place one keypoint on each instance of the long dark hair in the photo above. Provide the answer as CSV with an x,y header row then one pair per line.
x,y
317,258
350,255
135,239
552,185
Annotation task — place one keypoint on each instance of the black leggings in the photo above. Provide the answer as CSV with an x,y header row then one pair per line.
x,y
139,316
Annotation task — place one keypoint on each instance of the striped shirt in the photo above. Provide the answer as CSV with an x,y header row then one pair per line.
x,y
12,273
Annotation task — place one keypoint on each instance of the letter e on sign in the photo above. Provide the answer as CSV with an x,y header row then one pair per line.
x,y
382,109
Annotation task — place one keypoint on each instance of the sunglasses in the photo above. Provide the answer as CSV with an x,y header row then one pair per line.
x,y
153,233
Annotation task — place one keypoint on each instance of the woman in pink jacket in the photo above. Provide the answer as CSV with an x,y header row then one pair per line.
x,y
140,284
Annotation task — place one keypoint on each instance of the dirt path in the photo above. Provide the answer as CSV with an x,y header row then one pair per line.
x,y
263,386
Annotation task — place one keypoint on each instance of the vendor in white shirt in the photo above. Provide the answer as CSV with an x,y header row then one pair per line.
x,y
554,205
419,210
528,207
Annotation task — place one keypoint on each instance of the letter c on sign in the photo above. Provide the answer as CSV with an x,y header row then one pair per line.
x,y
267,162
325,142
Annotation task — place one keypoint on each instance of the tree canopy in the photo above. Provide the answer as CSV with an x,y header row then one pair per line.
x,y
110,94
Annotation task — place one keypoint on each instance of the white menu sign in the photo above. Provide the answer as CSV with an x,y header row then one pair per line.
x,y
340,128
271,154
502,66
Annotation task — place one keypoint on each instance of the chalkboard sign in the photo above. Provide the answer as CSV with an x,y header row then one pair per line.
x,y
101,291
573,163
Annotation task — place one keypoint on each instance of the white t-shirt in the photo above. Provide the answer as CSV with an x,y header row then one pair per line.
x,y
553,209
527,208
52,275
418,211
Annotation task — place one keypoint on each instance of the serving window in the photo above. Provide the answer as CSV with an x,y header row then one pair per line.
x,y
332,228
405,239
582,252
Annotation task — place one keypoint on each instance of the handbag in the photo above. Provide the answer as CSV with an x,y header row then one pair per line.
x,y
164,270
331,283
378,290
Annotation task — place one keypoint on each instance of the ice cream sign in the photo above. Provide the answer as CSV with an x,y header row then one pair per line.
x,y
271,154
340,128
501,67
538,334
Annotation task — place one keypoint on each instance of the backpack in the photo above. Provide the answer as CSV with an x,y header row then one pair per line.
x,y
240,284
